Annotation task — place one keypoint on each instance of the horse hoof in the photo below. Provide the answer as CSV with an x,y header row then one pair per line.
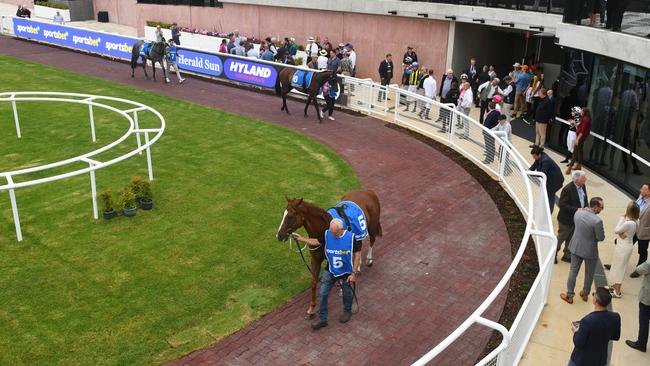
x,y
369,264
309,316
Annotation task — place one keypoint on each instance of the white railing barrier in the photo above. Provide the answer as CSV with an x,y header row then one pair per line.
x,y
89,158
489,150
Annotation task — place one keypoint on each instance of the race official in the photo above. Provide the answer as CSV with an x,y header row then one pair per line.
x,y
342,253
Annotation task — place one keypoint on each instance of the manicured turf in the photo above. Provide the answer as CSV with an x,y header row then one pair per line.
x,y
145,290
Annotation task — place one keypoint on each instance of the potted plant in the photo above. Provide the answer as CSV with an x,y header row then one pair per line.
x,y
108,211
142,190
127,202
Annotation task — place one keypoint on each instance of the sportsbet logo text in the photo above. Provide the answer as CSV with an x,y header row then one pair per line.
x,y
89,41
55,34
28,29
122,47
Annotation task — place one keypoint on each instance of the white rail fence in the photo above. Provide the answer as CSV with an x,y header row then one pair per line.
x,y
131,113
495,155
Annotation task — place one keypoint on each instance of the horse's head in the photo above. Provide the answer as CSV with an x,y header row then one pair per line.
x,y
292,218
159,48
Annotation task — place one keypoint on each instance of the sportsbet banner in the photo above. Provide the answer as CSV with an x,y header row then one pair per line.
x,y
80,39
236,68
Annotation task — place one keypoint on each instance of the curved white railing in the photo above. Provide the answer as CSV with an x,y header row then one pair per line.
x,y
90,158
498,157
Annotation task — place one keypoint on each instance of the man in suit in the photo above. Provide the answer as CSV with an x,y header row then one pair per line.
x,y
572,197
642,235
588,232
491,120
445,87
385,74
592,334
472,73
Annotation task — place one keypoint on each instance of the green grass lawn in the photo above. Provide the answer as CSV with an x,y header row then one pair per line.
x,y
149,289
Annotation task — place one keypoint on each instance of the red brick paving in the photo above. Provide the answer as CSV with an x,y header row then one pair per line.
x,y
444,246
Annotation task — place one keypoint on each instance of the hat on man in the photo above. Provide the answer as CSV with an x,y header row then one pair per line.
x,y
341,45
415,64
310,39
350,46
464,76
408,60
516,64
323,52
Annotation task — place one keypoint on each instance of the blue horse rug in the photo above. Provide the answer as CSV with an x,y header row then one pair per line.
x,y
302,79
352,216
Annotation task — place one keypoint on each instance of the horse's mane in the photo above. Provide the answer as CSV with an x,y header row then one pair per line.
x,y
313,210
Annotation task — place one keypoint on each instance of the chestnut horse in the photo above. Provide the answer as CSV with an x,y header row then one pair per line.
x,y
283,86
315,220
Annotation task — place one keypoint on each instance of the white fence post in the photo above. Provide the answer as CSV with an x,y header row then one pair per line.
x,y
146,140
92,122
13,105
451,124
93,192
137,127
396,111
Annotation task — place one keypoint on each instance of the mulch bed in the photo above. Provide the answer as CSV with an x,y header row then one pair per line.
x,y
527,270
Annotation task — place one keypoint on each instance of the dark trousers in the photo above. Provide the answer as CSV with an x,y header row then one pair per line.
x,y
382,95
489,147
329,105
551,200
484,105
644,319
574,11
643,249
615,10
564,235
578,155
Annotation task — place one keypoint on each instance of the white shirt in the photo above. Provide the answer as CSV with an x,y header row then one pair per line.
x,y
430,88
507,128
322,62
490,92
353,58
253,53
312,49
466,99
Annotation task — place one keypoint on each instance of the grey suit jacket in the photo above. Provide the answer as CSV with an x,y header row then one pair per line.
x,y
643,232
588,232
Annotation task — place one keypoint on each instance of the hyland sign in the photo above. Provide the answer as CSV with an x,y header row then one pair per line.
x,y
250,72
80,39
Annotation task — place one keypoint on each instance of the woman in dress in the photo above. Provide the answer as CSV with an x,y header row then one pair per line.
x,y
625,229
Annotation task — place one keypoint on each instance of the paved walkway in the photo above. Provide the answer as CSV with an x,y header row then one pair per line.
x,y
445,245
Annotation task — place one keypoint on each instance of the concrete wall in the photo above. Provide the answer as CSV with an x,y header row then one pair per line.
x,y
372,35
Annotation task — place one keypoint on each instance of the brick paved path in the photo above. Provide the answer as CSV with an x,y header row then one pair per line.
x,y
444,246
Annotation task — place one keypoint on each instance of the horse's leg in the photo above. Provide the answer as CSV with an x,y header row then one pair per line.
x,y
284,102
315,275
153,67
144,67
319,113
369,254
307,104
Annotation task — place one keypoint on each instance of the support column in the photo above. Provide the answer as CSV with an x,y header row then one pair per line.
x,y
14,209
146,141
92,122
13,104
137,127
93,190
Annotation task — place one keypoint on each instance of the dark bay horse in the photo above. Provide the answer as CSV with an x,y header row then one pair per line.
x,y
308,82
315,220
157,54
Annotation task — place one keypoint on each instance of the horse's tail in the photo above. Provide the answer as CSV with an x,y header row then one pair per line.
x,y
379,231
135,53
278,87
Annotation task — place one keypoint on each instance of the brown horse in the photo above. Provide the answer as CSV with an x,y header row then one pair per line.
x,y
284,85
315,220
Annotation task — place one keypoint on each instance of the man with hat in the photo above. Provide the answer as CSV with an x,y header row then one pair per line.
x,y
311,49
410,54
352,55
322,59
412,82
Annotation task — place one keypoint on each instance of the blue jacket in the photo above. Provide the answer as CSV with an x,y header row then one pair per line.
x,y
173,52
592,338
554,176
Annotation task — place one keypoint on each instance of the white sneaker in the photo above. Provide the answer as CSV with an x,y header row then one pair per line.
x,y
181,81
331,118
168,81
